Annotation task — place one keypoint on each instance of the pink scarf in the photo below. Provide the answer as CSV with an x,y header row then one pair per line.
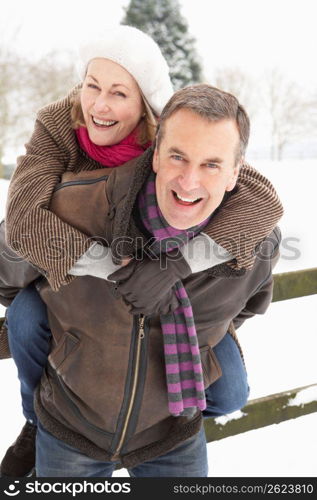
x,y
111,156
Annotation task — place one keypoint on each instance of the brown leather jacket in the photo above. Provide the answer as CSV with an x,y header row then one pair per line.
x,y
104,389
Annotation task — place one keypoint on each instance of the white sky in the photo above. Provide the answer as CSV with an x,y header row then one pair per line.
x,y
253,34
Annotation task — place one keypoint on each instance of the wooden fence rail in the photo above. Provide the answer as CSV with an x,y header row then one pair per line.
x,y
261,412
295,284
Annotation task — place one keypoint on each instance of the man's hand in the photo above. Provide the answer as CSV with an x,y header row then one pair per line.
x,y
147,285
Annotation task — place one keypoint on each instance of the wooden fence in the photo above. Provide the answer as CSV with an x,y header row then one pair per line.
x,y
274,408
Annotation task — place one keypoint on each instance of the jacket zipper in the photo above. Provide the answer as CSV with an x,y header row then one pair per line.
x,y
76,183
140,337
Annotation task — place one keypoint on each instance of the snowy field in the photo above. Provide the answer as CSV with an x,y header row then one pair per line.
x,y
280,348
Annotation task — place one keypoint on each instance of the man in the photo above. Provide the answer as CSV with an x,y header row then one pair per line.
x,y
129,389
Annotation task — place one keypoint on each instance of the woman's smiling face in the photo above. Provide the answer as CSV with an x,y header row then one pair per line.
x,y
111,102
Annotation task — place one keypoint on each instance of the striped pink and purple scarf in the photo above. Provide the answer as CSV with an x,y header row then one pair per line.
x,y
185,385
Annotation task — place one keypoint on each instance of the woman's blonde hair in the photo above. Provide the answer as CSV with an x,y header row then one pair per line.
x,y
147,127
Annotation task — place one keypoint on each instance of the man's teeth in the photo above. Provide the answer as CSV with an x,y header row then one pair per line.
x,y
186,199
107,123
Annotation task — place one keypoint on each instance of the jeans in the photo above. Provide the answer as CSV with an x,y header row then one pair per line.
x,y
29,336
231,391
54,458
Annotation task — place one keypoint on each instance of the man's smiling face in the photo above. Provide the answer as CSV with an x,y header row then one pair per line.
x,y
195,165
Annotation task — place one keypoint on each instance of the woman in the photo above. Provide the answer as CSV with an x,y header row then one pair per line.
x,y
105,124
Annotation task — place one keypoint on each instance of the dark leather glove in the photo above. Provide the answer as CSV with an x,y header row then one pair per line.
x,y
147,285
166,305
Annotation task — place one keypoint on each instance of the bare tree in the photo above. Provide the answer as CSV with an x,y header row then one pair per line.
x,y
44,81
26,86
8,83
290,112
50,78
240,84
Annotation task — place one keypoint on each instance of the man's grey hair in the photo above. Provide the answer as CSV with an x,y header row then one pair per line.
x,y
212,104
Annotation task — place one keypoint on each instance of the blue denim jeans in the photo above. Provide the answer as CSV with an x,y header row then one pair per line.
x,y
29,336
231,391
54,458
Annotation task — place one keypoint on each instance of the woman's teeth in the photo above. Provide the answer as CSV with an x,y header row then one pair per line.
x,y
104,123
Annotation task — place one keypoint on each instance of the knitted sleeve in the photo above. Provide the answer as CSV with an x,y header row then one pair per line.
x,y
248,215
32,230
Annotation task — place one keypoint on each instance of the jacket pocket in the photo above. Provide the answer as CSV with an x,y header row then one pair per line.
x,y
210,365
64,348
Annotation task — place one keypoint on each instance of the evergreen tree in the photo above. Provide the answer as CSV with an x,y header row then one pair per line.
x,y
162,20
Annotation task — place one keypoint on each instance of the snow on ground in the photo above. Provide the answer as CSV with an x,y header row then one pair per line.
x,y
288,449
283,450
294,181
279,348
304,396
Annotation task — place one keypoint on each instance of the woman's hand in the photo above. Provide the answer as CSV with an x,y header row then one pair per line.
x,y
126,261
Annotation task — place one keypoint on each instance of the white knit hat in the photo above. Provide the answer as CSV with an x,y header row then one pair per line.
x,y
139,55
